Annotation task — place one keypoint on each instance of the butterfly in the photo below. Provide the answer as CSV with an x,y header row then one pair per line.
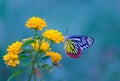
x,y
75,44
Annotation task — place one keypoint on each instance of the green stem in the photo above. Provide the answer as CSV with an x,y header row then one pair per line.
x,y
33,70
45,74
36,55
33,59
36,34
14,71
30,75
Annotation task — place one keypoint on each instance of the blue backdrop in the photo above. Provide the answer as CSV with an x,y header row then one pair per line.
x,y
97,18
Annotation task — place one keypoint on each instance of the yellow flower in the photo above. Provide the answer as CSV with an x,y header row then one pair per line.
x,y
56,57
15,47
43,47
11,58
36,23
54,35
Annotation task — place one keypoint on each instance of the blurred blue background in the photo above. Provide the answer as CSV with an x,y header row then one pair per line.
x,y
96,18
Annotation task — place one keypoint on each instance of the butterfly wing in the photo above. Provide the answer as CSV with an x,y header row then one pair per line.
x,y
72,49
74,44
83,42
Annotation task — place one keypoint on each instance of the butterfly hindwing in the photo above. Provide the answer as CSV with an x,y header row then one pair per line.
x,y
72,49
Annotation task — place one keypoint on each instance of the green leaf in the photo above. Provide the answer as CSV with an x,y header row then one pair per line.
x,y
45,58
25,51
28,42
23,57
26,64
15,74
45,66
37,37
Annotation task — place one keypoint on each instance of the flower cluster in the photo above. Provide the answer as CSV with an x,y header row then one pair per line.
x,y
56,57
11,58
37,48
36,23
54,35
51,34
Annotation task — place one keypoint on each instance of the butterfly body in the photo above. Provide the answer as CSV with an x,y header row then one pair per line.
x,y
75,44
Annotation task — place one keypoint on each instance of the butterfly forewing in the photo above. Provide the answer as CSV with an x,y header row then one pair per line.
x,y
82,42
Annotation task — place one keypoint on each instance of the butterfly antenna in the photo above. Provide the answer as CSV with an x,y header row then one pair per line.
x,y
66,31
